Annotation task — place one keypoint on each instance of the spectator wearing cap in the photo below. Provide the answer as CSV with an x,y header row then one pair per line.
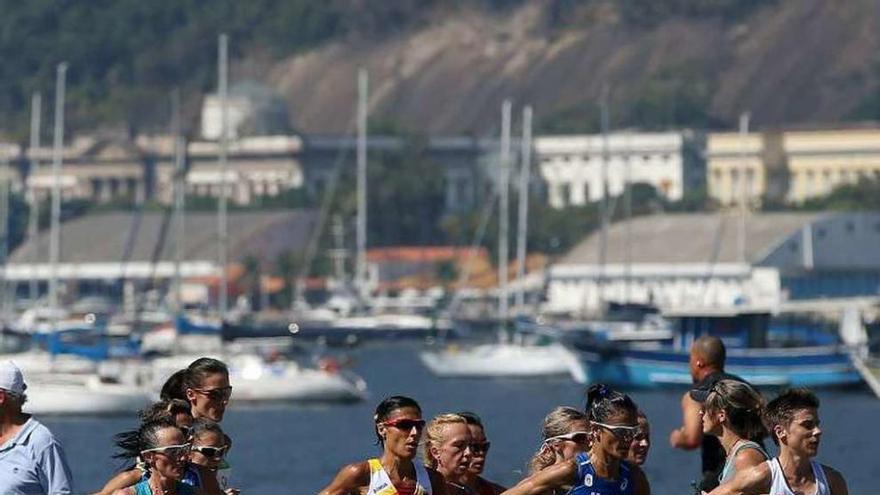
x,y
31,459
706,364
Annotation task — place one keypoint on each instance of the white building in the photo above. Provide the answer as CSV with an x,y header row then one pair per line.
x,y
678,261
572,166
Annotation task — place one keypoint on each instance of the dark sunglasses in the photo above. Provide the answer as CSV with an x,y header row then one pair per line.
x,y
578,437
406,424
218,394
480,447
212,452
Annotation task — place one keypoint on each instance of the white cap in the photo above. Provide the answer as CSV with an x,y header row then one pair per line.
x,y
11,378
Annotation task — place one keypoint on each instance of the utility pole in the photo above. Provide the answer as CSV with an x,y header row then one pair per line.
x,y
223,222
522,228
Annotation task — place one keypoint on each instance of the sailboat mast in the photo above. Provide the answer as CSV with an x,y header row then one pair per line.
x,y
503,218
627,200
179,185
743,134
603,206
55,232
522,228
361,233
4,246
33,225
222,220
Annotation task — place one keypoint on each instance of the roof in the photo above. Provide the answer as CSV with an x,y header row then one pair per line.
x,y
103,237
845,241
690,238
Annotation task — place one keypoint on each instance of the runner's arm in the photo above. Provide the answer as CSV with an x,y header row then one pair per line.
x,y
748,458
835,481
348,479
546,480
752,481
690,434
121,480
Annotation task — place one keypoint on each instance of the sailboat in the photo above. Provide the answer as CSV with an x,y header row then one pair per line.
x,y
528,355
349,317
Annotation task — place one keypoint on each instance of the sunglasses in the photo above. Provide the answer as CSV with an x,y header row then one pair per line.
x,y
622,432
406,424
173,451
212,452
579,437
218,394
480,447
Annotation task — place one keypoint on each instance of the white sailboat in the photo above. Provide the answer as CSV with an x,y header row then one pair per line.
x,y
525,357
255,379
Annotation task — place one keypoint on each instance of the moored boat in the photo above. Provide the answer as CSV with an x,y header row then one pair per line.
x,y
504,360
749,355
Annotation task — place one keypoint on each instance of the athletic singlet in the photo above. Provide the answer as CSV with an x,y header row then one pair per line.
x,y
192,477
590,484
729,470
143,488
779,486
380,482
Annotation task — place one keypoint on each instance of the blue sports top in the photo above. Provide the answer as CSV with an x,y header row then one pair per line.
x,y
590,484
143,488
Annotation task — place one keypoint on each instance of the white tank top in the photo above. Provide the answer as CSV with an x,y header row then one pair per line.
x,y
779,486
380,482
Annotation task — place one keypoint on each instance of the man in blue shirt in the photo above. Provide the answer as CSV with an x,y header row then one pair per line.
x,y
31,459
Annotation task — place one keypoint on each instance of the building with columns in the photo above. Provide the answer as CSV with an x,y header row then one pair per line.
x,y
101,168
789,165
256,166
572,166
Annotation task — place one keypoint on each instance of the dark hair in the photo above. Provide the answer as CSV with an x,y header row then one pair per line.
x,y
780,411
743,406
471,418
132,443
165,408
712,350
191,377
603,402
389,405
201,426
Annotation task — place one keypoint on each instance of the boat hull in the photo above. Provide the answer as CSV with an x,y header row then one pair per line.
x,y
826,366
84,400
503,360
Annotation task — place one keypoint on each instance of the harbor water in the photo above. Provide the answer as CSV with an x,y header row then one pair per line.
x,y
298,449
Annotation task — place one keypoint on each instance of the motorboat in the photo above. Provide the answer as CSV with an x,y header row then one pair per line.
x,y
751,354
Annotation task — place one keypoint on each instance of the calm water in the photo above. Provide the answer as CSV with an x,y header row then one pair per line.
x,y
297,450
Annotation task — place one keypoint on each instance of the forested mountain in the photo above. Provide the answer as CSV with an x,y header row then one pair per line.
x,y
442,66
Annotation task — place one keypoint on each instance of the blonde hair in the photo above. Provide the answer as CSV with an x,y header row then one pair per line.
x,y
744,407
558,422
434,434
